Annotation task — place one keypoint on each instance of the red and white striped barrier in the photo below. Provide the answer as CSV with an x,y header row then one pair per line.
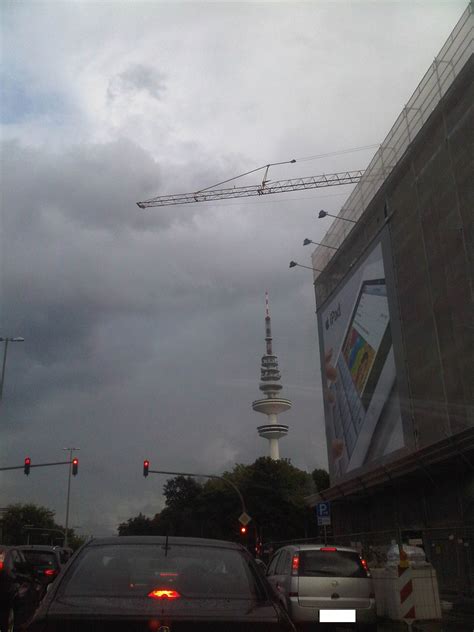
x,y
405,583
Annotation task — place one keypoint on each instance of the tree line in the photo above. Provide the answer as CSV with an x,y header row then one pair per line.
x,y
274,493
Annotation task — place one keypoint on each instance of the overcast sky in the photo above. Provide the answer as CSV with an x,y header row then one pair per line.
x,y
144,329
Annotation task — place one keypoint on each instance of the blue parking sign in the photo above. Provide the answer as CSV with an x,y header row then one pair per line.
x,y
323,513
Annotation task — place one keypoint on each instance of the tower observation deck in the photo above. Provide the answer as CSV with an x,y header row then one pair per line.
x,y
272,404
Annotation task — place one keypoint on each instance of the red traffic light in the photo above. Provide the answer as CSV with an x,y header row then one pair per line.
x,y
243,530
75,466
27,465
146,465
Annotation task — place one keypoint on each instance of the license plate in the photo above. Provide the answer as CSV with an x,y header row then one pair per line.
x,y
337,616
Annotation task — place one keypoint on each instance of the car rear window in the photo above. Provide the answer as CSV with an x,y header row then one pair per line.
x,y
41,559
330,564
136,570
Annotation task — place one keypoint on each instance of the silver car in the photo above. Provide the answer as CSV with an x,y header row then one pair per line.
x,y
324,584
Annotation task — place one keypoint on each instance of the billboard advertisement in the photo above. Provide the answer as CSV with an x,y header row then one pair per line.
x,y
362,408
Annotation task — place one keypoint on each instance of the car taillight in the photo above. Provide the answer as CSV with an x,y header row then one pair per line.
x,y
164,593
365,565
328,549
1,565
50,572
295,564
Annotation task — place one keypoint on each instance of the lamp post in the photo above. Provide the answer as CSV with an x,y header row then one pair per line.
x,y
70,450
293,264
307,241
6,341
345,219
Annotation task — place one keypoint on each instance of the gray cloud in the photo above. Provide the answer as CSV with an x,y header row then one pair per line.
x,y
144,329
137,78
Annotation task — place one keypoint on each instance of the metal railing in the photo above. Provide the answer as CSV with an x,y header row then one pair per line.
x,y
434,85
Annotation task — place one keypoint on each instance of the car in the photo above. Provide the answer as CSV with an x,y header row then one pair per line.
x,y
45,560
160,584
65,553
20,592
322,584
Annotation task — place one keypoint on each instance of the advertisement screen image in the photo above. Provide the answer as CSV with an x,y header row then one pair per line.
x,y
362,413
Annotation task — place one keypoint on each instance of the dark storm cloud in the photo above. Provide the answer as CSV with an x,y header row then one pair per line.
x,y
144,329
137,78
137,325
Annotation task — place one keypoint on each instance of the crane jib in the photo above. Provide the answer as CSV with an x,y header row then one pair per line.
x,y
279,186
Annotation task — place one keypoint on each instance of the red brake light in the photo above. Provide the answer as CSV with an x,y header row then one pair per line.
x,y
295,564
1,565
50,572
164,593
365,565
329,549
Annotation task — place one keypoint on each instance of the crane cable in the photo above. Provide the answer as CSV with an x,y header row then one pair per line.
x,y
287,162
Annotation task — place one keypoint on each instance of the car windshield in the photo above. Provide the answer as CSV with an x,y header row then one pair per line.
x,y
41,559
330,563
194,572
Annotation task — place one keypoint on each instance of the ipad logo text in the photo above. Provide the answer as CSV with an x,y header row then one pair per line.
x,y
333,316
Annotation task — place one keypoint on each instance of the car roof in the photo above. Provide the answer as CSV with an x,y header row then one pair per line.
x,y
316,547
38,547
159,539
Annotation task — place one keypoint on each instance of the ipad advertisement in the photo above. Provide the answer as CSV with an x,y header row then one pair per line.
x,y
362,409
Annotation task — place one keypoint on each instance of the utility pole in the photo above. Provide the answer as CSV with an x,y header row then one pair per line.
x,y
70,450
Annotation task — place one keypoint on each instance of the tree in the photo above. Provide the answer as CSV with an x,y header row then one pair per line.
x,y
274,494
23,522
321,479
140,525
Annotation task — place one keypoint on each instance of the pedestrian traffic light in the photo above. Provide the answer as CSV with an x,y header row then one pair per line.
x,y
27,466
75,466
146,465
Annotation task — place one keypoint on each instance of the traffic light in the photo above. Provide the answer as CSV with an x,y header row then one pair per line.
x,y
27,466
75,466
243,530
146,465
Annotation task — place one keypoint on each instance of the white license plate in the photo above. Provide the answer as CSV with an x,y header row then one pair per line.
x,y
337,616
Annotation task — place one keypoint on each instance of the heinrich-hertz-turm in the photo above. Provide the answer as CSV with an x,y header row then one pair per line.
x,y
271,404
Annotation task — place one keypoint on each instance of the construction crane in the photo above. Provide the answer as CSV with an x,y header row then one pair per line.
x,y
267,187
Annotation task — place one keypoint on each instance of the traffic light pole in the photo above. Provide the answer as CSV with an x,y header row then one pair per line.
x,y
71,460
221,478
21,467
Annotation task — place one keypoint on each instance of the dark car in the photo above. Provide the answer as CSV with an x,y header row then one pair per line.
x,y
19,591
158,584
45,561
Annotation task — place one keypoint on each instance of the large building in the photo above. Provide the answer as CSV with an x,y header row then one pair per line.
x,y
396,330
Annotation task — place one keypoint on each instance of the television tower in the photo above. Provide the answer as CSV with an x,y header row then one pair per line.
x,y
272,404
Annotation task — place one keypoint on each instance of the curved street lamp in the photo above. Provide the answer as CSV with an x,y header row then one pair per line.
x,y
307,241
293,264
322,214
